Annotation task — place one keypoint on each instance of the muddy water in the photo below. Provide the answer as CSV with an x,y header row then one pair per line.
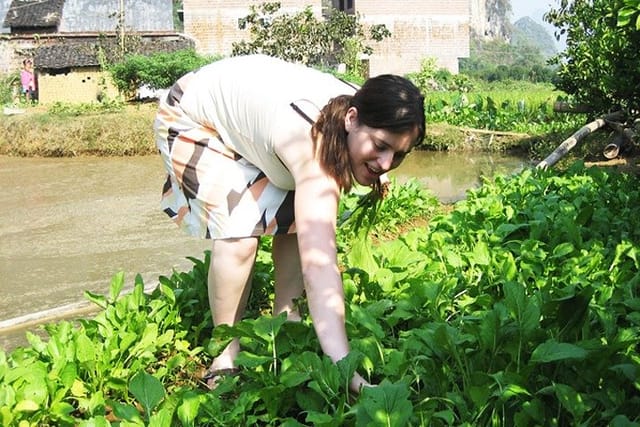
x,y
449,175
69,225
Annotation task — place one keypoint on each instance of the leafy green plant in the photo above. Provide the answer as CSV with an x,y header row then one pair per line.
x,y
157,71
9,88
430,78
518,306
521,107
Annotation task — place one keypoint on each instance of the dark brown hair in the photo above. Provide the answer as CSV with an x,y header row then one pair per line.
x,y
386,102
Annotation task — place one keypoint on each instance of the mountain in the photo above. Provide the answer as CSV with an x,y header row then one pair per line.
x,y
526,31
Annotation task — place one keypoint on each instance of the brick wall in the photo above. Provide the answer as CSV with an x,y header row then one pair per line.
x,y
214,24
420,29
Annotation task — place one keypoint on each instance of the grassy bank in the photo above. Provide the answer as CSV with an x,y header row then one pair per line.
x,y
128,132
38,132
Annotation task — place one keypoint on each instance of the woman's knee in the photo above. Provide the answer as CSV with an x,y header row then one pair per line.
x,y
239,250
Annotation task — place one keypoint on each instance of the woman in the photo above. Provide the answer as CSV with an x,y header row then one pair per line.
x,y
27,80
252,142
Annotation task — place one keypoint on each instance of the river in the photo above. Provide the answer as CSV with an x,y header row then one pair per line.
x,y
70,224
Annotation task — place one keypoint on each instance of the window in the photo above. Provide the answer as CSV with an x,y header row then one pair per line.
x,y
344,5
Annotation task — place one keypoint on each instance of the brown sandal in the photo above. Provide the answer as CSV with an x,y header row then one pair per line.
x,y
213,376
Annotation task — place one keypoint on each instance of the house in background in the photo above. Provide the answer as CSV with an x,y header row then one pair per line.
x,y
68,38
419,28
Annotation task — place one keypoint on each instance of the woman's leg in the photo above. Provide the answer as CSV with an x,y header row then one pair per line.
x,y
289,284
232,262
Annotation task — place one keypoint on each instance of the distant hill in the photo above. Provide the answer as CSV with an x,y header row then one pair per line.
x,y
528,32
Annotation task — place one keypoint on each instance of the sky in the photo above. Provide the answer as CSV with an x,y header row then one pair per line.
x,y
533,8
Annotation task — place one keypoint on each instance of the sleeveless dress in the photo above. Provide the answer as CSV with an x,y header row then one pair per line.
x,y
215,132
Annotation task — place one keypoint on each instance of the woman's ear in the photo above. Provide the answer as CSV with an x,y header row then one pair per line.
x,y
351,119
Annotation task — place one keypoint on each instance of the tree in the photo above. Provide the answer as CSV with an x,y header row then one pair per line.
x,y
497,60
600,66
306,39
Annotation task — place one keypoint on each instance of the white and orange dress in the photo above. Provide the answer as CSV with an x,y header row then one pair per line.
x,y
215,130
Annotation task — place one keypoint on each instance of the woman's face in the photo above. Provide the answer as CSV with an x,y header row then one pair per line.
x,y
373,151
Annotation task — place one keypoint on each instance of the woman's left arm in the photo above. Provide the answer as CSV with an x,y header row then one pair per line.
x,y
316,208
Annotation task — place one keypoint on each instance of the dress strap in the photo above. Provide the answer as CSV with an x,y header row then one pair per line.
x,y
298,107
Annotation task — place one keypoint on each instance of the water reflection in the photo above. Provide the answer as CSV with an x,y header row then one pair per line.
x,y
449,175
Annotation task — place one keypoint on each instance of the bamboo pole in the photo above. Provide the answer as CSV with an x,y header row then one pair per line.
x,y
569,143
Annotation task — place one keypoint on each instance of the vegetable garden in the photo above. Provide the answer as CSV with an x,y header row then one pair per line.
x,y
517,307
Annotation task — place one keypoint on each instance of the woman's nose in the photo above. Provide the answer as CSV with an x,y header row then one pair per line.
x,y
385,160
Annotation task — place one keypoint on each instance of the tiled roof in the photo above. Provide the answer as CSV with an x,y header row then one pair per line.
x,y
34,13
68,54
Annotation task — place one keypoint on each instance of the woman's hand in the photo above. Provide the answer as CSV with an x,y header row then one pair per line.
x,y
357,382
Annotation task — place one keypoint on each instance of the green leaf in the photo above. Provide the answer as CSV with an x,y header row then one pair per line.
x,y
62,411
364,319
68,374
36,390
117,283
292,378
572,401
525,310
125,412
480,254
188,409
513,390
508,267
267,327
454,259
147,390
310,401
162,418
552,351
386,404
85,348
97,299
95,422
348,365
562,249
361,255
27,406
318,418
250,360
78,389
